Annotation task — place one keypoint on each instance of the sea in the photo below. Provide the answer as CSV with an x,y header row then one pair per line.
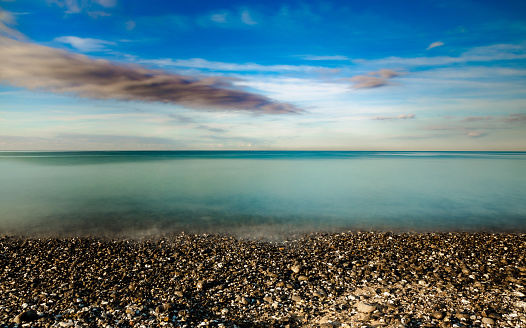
x,y
259,194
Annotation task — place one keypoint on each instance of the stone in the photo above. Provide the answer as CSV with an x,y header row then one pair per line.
x,y
178,293
26,316
320,293
438,315
488,321
462,316
296,268
365,308
362,316
296,298
303,278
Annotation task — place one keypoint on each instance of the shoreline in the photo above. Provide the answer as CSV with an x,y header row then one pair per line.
x,y
347,279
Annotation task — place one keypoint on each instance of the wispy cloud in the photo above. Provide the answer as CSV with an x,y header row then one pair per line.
x,y
335,57
476,134
247,19
510,118
515,118
7,21
97,14
374,79
477,118
399,117
491,53
227,67
211,129
219,18
43,68
76,6
84,44
435,44
130,25
462,130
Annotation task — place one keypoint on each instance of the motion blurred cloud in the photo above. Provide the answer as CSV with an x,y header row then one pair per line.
x,y
43,68
374,79
435,44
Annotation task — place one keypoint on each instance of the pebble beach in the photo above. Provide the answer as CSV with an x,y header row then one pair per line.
x,y
351,279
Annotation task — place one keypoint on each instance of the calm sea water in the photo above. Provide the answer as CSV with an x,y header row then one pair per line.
x,y
260,193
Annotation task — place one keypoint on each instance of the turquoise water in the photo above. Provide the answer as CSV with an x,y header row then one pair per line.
x,y
260,193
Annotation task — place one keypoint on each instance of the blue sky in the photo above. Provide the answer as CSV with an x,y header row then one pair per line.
x,y
313,75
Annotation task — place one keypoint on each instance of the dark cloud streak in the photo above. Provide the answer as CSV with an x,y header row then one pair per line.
x,y
43,68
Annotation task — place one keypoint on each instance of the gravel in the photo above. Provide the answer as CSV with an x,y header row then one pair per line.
x,y
352,279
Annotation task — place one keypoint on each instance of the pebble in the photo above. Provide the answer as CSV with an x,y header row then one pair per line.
x,y
26,316
352,279
297,298
365,308
438,315
488,321
296,268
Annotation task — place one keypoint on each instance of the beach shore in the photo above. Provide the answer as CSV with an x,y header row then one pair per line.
x,y
351,279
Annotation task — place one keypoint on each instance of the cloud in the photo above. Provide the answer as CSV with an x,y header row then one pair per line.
x,y
477,118
399,117
7,20
374,79
366,82
84,44
336,57
510,118
476,134
515,118
247,19
201,63
219,18
435,44
97,14
75,7
466,131
130,25
491,53
48,69
211,129
182,118
106,3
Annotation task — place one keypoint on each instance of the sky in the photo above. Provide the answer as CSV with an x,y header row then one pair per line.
x,y
263,75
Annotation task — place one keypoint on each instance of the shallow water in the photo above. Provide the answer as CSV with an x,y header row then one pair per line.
x,y
260,193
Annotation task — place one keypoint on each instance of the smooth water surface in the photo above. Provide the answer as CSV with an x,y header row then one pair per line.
x,y
260,193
